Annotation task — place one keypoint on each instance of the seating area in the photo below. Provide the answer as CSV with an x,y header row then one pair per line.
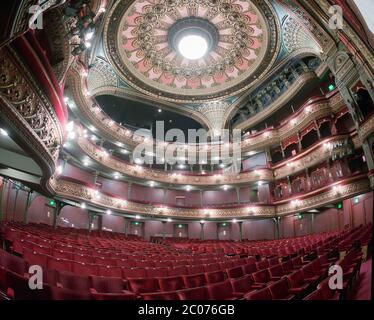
x,y
109,266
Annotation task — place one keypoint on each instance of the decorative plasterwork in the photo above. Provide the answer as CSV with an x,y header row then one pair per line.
x,y
311,111
113,131
307,159
280,102
100,75
80,193
362,50
295,37
214,111
366,128
139,172
136,43
327,195
320,36
27,110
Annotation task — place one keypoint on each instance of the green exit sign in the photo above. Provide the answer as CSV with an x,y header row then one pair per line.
x,y
331,87
340,205
357,199
52,203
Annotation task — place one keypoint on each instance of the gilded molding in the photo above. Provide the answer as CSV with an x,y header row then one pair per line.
x,y
77,192
29,112
115,132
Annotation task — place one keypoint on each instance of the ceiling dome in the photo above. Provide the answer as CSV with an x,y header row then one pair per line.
x,y
191,51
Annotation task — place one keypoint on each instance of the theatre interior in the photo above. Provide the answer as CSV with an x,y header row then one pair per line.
x,y
86,84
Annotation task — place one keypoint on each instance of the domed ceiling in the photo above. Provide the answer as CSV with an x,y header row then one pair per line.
x,y
234,44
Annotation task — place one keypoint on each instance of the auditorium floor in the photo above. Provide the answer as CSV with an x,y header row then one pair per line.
x,y
362,290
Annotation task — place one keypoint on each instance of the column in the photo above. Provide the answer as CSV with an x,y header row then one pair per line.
x,y
268,155
238,194
95,177
129,187
2,193
283,154
346,74
56,213
163,229
202,230
289,184
28,199
317,127
240,223
100,223
15,202
299,142
201,198
366,146
127,222
90,220
312,223
308,185
276,225
217,230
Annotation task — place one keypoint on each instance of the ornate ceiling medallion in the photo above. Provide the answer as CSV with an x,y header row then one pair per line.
x,y
192,50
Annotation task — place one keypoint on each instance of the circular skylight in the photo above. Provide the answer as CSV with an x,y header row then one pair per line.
x,y
193,47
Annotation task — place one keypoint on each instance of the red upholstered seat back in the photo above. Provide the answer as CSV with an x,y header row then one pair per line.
x,y
194,281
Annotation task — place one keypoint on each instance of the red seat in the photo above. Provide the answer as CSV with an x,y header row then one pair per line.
x,y
212,267
106,288
327,293
279,290
214,277
242,285
263,294
287,267
160,296
236,272
297,262
315,295
171,283
125,263
18,288
156,272
222,291
83,258
276,272
273,261
196,269
297,284
249,268
74,282
144,285
33,258
85,269
67,294
134,273
62,254
198,294
261,277
13,263
264,264
109,271
59,264
250,260
178,271
226,265
194,280
309,274
144,264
